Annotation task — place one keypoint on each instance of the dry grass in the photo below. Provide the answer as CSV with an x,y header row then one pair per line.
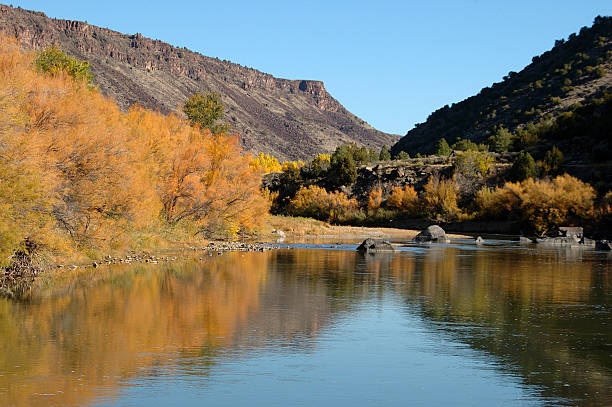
x,y
314,229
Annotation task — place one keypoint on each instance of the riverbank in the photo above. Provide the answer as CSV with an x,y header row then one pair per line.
x,y
307,228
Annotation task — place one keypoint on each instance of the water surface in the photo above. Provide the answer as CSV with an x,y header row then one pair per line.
x,y
312,324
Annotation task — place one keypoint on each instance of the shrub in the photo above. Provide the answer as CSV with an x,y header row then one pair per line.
x,y
265,163
472,163
204,111
375,199
53,61
404,199
316,202
442,148
439,198
553,160
500,141
523,167
385,154
342,169
402,155
540,204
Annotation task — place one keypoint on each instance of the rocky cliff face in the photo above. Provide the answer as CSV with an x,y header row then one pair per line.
x,y
289,118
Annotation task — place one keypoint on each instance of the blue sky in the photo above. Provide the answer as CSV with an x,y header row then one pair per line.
x,y
390,62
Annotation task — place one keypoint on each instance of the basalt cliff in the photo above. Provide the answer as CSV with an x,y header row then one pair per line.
x,y
291,119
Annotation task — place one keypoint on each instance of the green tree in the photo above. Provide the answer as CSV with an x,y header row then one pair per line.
x,y
442,148
385,154
553,160
501,140
523,167
342,169
402,155
53,61
205,110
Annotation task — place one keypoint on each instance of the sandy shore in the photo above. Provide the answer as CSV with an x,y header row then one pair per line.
x,y
303,228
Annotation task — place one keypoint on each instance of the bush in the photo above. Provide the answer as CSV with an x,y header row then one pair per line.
x,y
375,199
316,202
472,163
540,204
342,169
384,155
404,199
524,167
439,198
500,141
53,61
553,160
402,155
265,163
442,148
204,111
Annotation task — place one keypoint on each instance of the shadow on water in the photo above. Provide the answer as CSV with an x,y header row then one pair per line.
x,y
540,314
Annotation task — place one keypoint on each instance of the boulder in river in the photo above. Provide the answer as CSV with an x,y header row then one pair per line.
x,y
569,241
479,240
603,245
375,245
433,233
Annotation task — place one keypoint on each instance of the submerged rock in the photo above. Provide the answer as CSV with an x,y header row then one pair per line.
x,y
571,231
433,233
603,245
570,241
525,240
375,245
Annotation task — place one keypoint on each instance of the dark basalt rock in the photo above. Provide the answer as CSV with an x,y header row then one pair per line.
x,y
375,245
559,241
433,233
603,245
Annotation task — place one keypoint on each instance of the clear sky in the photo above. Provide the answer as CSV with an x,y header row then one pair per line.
x,y
390,62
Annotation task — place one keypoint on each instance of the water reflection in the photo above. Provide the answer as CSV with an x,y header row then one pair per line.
x,y
541,315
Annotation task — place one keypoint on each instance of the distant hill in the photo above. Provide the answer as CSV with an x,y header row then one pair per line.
x,y
291,119
576,71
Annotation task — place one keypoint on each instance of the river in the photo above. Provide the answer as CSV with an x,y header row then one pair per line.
x,y
319,324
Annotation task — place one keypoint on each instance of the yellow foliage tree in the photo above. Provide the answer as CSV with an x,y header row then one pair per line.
x,y
404,199
266,163
375,199
316,202
541,204
439,198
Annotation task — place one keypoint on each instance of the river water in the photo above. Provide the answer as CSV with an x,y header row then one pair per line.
x,y
317,325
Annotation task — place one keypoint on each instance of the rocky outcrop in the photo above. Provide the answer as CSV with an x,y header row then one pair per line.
x,y
290,119
374,246
433,233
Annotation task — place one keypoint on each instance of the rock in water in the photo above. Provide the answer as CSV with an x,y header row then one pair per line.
x,y
525,240
479,240
603,245
375,245
433,233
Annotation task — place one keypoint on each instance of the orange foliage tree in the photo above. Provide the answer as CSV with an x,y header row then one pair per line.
x,y
74,168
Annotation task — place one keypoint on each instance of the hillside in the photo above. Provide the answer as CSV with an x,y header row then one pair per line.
x,y
290,119
576,70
